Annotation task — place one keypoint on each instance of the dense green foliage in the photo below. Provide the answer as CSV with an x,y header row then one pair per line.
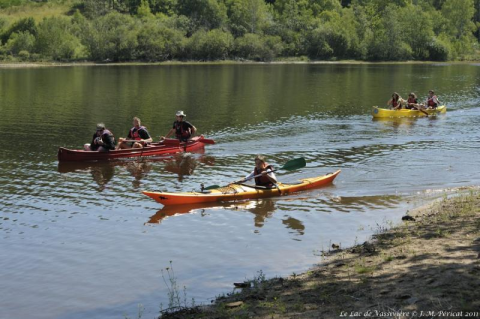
x,y
261,30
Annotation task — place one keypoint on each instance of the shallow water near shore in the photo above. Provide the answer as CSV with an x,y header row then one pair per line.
x,y
82,241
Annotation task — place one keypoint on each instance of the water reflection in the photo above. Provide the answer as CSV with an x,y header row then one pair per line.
x,y
138,170
262,209
102,172
183,164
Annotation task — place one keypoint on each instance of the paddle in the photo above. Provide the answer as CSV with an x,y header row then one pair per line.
x,y
288,166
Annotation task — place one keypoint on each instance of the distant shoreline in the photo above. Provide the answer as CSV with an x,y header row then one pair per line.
x,y
13,65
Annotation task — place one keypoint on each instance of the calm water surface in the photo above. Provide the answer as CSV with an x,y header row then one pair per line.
x,y
81,241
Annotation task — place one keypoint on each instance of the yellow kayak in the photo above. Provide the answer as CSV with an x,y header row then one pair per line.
x,y
385,113
239,191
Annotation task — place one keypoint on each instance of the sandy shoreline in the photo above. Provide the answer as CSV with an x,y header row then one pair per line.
x,y
428,266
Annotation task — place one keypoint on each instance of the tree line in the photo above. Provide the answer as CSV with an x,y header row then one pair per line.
x,y
259,30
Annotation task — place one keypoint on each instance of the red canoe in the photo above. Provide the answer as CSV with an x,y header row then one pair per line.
x,y
168,146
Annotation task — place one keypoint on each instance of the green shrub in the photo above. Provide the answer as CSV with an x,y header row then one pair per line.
x,y
22,25
55,39
212,45
438,50
21,41
255,47
156,42
23,55
112,37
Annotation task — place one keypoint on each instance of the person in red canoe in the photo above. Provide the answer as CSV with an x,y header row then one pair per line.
x,y
432,101
396,102
137,137
183,130
102,141
267,178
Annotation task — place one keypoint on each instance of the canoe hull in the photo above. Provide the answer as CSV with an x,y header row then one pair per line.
x,y
156,149
239,192
385,113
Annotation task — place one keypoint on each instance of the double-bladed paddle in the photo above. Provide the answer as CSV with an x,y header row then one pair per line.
x,y
288,166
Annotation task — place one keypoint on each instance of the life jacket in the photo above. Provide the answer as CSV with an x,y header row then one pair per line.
x,y
95,146
105,131
394,103
262,180
431,103
412,100
134,132
183,133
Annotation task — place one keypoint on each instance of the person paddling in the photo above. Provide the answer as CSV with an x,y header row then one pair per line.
x,y
267,177
396,101
137,137
102,141
183,129
412,104
432,101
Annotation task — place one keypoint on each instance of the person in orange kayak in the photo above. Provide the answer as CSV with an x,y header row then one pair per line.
x,y
137,133
102,141
396,101
432,101
183,129
267,177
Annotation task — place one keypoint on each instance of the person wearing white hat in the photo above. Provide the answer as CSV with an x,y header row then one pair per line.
x,y
183,129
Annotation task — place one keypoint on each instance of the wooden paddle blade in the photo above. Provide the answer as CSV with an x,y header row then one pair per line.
x,y
211,187
294,164
206,141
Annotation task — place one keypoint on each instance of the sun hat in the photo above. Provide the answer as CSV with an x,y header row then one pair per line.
x,y
100,127
180,113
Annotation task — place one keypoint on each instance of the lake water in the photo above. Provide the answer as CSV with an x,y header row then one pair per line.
x,y
81,241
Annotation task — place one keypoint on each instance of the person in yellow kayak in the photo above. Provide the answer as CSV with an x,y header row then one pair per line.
x,y
396,102
137,137
102,141
183,129
432,101
267,177
412,104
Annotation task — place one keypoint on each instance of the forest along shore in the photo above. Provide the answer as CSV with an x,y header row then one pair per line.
x,y
427,266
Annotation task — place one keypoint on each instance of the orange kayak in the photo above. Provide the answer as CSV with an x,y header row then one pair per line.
x,y
240,191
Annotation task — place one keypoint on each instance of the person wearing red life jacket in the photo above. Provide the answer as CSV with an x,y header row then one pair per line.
x,y
396,102
137,137
412,104
102,141
432,101
183,130
267,177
